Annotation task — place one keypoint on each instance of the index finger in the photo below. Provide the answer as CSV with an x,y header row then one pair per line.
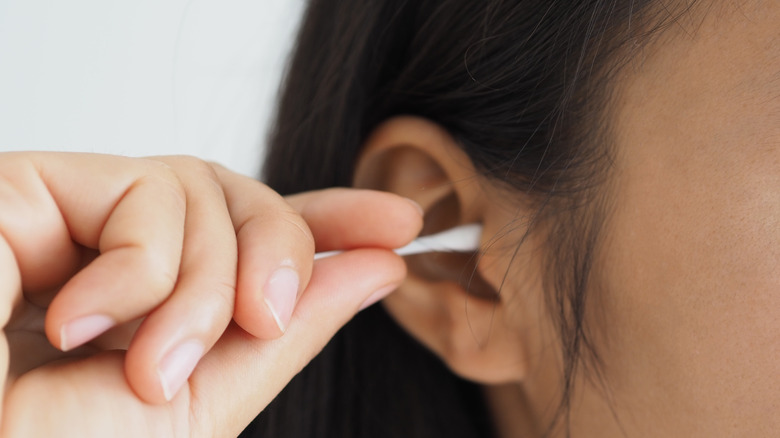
x,y
344,219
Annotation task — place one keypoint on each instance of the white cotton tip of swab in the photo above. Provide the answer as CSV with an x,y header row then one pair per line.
x,y
464,238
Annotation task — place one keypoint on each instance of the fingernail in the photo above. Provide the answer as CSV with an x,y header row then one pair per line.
x,y
280,293
82,330
378,295
176,367
417,206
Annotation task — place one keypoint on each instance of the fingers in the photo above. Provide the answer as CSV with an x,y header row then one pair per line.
x,y
349,218
169,246
276,253
181,274
275,250
32,225
241,375
276,241
131,210
174,336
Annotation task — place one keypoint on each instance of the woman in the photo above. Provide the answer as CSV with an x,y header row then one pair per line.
x,y
622,157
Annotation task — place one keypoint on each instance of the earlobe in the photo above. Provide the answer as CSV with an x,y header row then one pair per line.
x,y
444,303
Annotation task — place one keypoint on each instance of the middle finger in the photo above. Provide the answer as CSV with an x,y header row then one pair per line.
x,y
174,337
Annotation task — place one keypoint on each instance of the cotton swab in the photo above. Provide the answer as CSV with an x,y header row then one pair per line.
x,y
463,238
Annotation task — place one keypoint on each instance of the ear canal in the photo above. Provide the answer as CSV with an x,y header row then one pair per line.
x,y
410,172
443,214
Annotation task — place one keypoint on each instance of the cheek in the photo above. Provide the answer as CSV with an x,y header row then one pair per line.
x,y
691,274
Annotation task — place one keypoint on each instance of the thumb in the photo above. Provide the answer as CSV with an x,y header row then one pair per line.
x,y
241,375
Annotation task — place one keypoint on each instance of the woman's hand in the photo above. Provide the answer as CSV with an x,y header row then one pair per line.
x,y
162,253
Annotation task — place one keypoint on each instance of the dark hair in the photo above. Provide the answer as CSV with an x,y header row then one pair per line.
x,y
524,88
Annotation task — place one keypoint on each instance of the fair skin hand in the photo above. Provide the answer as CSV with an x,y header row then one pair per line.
x,y
170,252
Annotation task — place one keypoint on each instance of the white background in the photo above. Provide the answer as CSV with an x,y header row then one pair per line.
x,y
143,77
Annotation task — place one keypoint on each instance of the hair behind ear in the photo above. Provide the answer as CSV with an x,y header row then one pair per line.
x,y
344,55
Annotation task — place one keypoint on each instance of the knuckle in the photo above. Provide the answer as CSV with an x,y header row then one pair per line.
x,y
162,173
284,223
156,270
159,166
191,164
217,166
194,170
168,186
293,220
187,164
165,182
198,166
162,275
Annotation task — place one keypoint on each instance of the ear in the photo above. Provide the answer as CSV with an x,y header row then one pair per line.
x,y
445,302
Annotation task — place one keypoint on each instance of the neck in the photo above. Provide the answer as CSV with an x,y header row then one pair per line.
x,y
512,414
527,408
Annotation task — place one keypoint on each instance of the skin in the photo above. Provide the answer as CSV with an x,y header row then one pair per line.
x,y
684,308
684,302
171,249
688,275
